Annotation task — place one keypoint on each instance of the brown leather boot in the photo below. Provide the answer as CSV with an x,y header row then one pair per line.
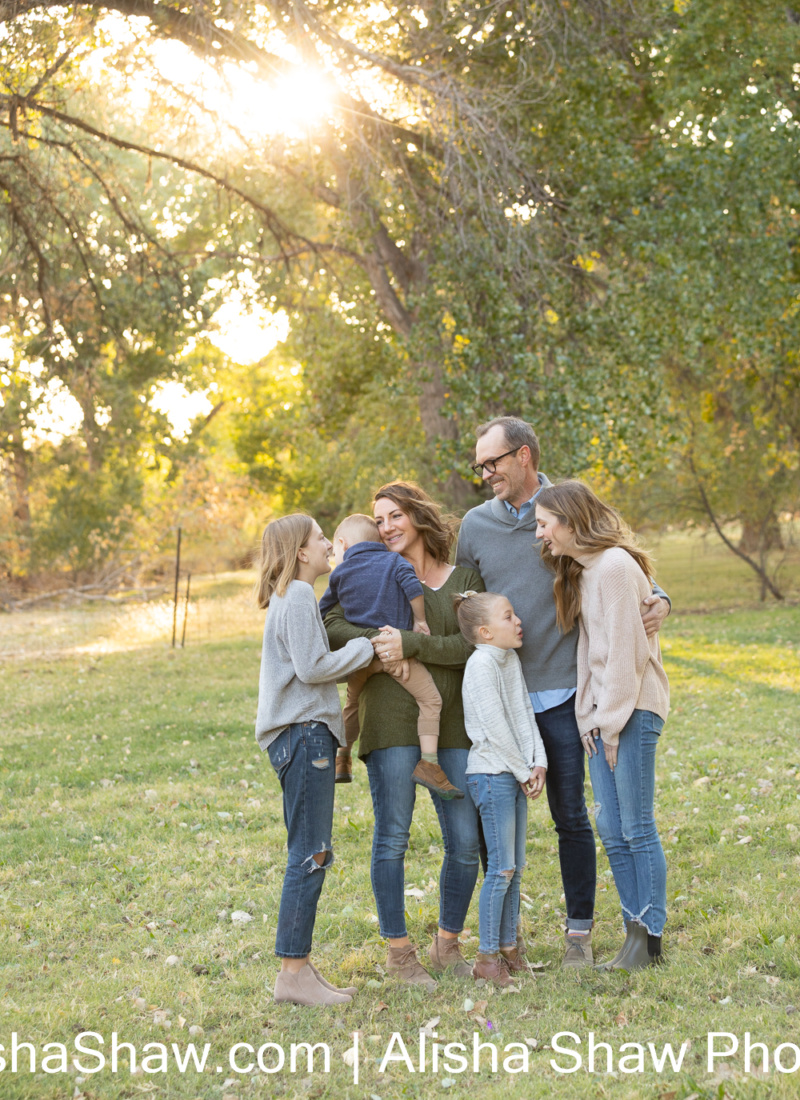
x,y
514,961
431,776
446,954
344,768
493,968
404,965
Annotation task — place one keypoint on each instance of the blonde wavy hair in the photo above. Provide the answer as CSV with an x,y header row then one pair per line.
x,y
282,540
473,610
596,526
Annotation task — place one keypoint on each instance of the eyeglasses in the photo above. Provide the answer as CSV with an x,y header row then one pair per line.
x,y
490,465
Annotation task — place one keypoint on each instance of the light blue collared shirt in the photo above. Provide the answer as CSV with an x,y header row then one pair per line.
x,y
541,700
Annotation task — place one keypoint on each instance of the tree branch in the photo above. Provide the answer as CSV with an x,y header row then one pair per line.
x,y
757,569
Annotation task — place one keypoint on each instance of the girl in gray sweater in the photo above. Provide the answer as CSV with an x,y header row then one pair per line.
x,y
507,765
299,723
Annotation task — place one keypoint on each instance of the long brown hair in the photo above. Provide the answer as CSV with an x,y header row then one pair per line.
x,y
277,568
596,526
438,531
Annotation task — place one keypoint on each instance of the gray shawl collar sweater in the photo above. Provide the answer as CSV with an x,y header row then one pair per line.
x,y
505,552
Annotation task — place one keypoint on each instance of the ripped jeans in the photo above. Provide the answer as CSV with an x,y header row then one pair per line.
x,y
626,821
303,755
503,810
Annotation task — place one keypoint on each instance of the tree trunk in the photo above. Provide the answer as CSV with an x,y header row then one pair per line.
x,y
761,536
19,487
438,427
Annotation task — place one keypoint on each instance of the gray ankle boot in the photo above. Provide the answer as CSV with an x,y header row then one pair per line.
x,y
634,952
612,964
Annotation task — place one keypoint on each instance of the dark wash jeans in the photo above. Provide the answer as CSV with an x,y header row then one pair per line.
x,y
304,757
394,793
576,844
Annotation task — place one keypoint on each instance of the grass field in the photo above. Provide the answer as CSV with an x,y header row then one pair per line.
x,y
138,815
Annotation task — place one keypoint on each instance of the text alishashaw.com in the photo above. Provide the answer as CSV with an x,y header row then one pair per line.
x,y
90,1052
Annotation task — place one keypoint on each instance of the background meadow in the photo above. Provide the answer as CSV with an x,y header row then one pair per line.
x,y
138,815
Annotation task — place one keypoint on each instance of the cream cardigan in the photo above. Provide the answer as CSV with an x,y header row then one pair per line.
x,y
619,667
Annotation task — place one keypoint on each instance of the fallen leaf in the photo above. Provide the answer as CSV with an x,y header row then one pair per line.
x,y
380,1006
621,1020
414,892
429,1027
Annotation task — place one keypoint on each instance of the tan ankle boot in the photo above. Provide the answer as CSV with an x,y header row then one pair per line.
x,y
303,988
404,965
578,953
445,954
348,990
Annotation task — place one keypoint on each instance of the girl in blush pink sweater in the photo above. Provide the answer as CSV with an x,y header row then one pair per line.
x,y
622,702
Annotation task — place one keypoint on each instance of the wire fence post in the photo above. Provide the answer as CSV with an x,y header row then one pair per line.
x,y
175,598
186,610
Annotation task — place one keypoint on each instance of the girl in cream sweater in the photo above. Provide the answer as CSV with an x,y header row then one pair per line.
x,y
602,576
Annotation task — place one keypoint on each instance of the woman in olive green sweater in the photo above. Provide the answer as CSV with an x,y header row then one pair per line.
x,y
411,524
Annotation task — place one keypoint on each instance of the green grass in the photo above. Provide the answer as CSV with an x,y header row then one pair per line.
x,y
136,810
701,574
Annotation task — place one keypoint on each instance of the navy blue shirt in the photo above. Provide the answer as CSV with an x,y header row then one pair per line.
x,y
374,586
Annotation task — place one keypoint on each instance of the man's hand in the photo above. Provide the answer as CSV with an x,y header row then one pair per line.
x,y
534,785
654,610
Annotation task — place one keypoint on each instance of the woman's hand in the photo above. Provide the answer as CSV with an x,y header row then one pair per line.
x,y
389,645
534,785
587,740
611,752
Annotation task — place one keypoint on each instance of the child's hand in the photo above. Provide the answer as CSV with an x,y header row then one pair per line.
x,y
535,784
421,627
399,670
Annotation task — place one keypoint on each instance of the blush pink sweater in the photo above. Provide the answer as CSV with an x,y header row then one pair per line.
x,y
619,667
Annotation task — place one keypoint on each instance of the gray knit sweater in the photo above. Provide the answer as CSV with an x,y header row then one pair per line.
x,y
298,670
499,717
506,554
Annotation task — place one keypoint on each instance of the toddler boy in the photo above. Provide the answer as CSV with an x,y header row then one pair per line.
x,y
378,588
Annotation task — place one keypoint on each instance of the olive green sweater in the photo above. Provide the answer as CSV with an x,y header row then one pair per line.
x,y
387,713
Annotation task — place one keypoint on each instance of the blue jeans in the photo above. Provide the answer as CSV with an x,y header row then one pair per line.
x,y
394,793
304,755
626,822
503,811
576,845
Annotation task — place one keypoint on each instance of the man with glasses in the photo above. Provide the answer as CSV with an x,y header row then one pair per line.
x,y
498,540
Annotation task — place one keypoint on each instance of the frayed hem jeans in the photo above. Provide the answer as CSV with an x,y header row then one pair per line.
x,y
503,810
626,822
304,757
